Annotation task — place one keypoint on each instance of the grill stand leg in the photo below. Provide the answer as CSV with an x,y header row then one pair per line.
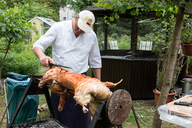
x,y
136,119
99,119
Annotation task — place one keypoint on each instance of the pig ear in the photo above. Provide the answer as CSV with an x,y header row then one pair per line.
x,y
42,83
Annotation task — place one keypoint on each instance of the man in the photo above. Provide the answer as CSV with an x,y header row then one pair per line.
x,y
74,43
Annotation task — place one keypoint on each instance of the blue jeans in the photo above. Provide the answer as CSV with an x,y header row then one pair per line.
x,y
72,115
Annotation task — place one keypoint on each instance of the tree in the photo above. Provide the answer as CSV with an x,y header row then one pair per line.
x,y
54,5
13,29
166,10
31,8
79,5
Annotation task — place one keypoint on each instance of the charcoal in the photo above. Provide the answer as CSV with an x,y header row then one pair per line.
x,y
47,124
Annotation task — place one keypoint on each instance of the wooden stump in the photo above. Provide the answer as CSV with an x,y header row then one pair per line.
x,y
118,107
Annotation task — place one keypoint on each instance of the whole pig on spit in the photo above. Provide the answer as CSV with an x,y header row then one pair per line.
x,y
87,90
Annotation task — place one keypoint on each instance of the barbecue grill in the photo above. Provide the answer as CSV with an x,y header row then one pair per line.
x,y
110,113
48,123
32,89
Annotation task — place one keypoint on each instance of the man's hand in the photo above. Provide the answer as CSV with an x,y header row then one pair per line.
x,y
45,61
42,57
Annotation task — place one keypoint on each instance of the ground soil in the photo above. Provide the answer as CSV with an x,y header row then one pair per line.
x,y
2,108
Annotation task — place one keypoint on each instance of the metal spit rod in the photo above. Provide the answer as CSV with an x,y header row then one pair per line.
x,y
71,91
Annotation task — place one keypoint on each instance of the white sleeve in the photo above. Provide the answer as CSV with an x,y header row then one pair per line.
x,y
94,55
47,39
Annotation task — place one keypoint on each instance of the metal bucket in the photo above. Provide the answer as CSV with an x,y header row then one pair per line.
x,y
186,84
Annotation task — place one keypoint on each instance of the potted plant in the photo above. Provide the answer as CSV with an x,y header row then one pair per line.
x,y
186,37
161,69
162,50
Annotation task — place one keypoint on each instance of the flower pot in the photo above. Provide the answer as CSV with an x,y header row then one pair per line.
x,y
169,98
188,76
187,49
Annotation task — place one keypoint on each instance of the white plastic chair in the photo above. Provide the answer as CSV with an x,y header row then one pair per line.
x,y
146,45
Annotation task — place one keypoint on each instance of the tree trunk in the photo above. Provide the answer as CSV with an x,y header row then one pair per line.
x,y
172,58
4,60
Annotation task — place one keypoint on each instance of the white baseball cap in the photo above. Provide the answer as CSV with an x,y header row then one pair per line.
x,y
86,20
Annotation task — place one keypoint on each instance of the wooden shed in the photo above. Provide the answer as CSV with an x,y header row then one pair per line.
x,y
126,49
42,24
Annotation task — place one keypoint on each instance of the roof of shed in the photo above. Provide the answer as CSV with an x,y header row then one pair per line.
x,y
46,20
93,7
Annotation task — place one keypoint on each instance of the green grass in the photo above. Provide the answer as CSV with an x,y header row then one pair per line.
x,y
144,110
42,100
89,72
2,107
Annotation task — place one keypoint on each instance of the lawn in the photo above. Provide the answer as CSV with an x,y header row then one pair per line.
x,y
144,111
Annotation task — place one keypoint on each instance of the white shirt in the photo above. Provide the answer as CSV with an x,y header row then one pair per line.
x,y
70,51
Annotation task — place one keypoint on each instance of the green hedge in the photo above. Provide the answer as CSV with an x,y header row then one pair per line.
x,y
25,63
48,51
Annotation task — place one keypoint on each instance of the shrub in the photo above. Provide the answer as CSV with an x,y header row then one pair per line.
x,y
18,48
25,63
48,51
